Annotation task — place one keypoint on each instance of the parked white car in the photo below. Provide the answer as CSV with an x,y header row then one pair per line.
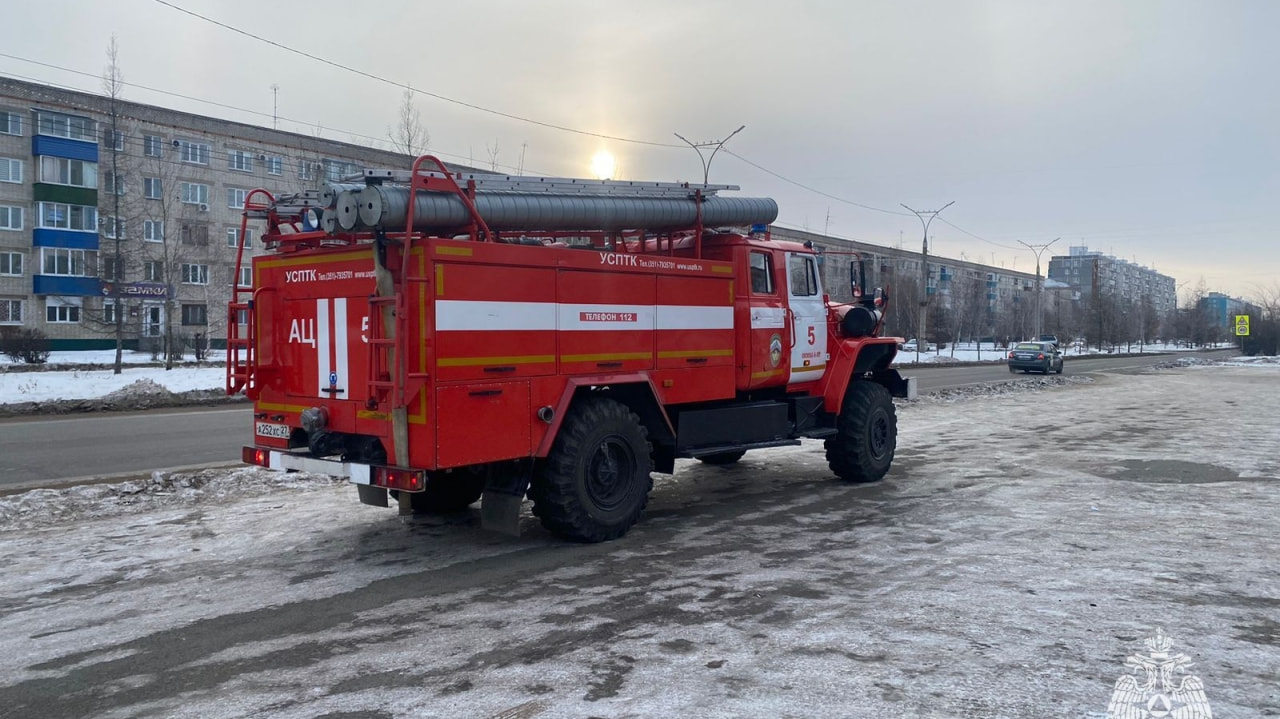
x,y
911,345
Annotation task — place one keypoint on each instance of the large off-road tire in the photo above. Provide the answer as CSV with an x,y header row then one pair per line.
x,y
722,458
450,491
866,434
595,482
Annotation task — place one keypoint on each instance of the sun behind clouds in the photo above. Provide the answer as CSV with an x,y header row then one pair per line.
x,y
603,165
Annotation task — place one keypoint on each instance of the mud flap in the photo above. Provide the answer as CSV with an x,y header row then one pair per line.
x,y
502,498
898,386
376,496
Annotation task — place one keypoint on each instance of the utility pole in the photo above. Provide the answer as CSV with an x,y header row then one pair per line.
x,y
1038,250
706,161
275,106
924,271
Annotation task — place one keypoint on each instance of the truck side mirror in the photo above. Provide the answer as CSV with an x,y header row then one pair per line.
x,y
858,278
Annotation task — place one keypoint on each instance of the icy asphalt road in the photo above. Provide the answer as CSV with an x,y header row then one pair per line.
x,y
1022,547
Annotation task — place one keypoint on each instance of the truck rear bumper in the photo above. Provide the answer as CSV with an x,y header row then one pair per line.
x,y
283,461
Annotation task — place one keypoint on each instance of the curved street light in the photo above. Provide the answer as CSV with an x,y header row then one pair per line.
x,y
706,161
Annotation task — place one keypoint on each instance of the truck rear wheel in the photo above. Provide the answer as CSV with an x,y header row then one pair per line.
x,y
447,492
595,483
867,434
722,458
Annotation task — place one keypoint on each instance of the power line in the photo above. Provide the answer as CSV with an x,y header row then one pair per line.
x,y
405,86
814,190
976,237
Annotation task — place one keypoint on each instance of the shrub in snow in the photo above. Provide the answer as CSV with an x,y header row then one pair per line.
x,y
24,344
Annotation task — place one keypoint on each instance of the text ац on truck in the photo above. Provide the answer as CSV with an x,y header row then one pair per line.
x,y
440,338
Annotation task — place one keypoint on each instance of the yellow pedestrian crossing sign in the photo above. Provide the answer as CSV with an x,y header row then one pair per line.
x,y
1242,325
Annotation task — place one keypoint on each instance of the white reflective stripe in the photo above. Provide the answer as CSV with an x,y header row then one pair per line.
x,y
768,318
323,364
356,473
340,351
687,317
481,315
605,317
476,315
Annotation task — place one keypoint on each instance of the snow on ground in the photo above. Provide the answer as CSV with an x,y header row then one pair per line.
x,y
50,384
1005,566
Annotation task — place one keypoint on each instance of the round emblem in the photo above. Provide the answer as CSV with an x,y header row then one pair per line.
x,y
775,350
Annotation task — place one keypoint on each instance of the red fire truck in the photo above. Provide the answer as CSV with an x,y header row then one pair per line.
x,y
439,337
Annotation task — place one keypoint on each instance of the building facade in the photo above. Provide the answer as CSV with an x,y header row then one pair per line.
x,y
1221,310
137,212
1090,273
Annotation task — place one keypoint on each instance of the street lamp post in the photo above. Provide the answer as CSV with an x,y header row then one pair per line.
x,y
1038,250
706,161
924,270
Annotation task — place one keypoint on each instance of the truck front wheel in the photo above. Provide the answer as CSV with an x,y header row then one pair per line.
x,y
867,434
595,482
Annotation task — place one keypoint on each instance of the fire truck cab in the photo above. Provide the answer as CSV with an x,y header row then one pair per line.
x,y
437,338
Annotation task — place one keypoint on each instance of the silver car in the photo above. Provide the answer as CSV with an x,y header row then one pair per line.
x,y
1035,356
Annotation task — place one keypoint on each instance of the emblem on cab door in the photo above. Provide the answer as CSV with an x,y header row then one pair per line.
x,y
775,350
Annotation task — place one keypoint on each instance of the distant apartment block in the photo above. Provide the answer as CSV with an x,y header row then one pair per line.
x,y
1089,273
1222,309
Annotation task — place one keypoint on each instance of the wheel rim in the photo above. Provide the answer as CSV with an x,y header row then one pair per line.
x,y
610,470
878,436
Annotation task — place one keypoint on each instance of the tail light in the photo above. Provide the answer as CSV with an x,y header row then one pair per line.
x,y
1040,356
1010,355
409,480
255,456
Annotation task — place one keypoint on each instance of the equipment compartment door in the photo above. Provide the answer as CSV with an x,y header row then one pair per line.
x,y
808,315
482,422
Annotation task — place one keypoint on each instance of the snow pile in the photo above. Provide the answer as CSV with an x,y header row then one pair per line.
x,y
1233,362
41,507
994,389
142,388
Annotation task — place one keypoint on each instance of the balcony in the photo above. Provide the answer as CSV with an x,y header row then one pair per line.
x,y
66,285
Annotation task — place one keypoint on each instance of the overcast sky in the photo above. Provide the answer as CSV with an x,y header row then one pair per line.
x,y
1147,130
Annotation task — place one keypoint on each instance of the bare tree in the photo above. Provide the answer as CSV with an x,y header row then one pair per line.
x,y
113,88
409,137
492,152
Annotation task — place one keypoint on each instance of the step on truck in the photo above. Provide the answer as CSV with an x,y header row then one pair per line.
x,y
441,338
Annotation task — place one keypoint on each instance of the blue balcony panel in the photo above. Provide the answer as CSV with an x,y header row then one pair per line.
x,y
68,286
64,147
71,239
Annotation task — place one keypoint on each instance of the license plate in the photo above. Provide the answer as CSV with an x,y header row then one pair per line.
x,y
266,429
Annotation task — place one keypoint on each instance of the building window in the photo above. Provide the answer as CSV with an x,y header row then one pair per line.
x,y
195,274
246,277
63,261
113,227
275,165
109,311
68,126
153,230
153,146
11,264
10,312
193,153
10,217
75,173
152,188
194,193
112,184
239,160
233,235
113,140
110,269
153,271
197,235
61,311
57,216
194,315
10,170
335,170
10,123
235,198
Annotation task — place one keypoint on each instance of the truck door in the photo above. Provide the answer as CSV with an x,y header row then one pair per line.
x,y
808,315
768,321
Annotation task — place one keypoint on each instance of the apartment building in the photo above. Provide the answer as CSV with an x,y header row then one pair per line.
x,y
1089,272
137,212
